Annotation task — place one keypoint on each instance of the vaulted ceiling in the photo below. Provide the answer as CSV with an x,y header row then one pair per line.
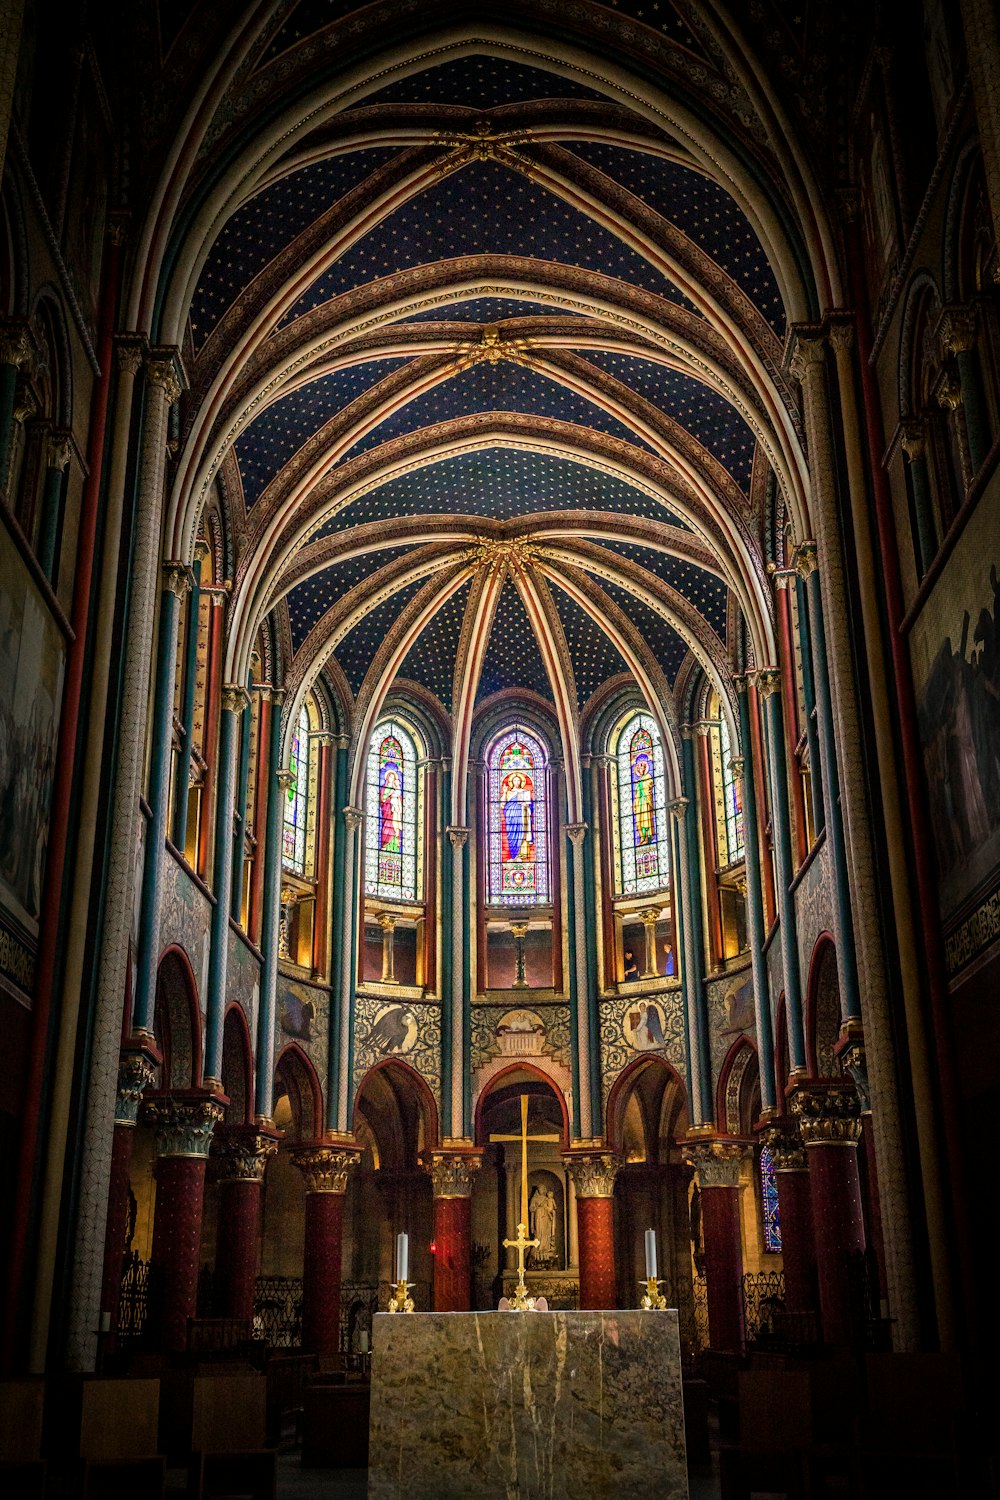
x,y
488,365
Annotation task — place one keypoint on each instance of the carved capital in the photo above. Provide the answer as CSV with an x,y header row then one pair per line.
x,y
136,1071
949,391
956,329
242,1153
806,558
808,356
717,1163
576,832
387,921
854,1061
827,1114
913,440
15,345
25,405
184,1123
57,450
593,1173
649,916
285,780
678,807
786,1148
519,929
129,357
353,818
458,836
841,337
163,374
176,578
234,698
769,681
452,1172
737,766
325,1168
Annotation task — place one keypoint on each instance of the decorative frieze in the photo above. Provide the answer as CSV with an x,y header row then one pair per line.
x,y
452,1172
593,1173
827,1114
326,1168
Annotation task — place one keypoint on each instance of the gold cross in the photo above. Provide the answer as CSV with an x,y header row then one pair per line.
x,y
524,1138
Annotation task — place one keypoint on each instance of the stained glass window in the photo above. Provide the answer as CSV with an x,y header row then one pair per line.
x,y
391,807
642,840
733,799
769,1201
293,842
519,855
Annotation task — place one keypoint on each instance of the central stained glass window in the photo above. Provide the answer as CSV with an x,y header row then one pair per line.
x,y
391,814
642,832
518,819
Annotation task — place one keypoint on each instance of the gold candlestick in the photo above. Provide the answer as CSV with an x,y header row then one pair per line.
x,y
401,1301
521,1302
653,1300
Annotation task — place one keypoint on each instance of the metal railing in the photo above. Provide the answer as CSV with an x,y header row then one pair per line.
x,y
763,1301
133,1300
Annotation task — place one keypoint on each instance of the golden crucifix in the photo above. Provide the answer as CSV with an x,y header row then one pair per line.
x,y
521,1302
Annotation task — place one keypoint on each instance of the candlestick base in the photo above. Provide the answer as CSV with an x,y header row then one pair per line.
x,y
401,1301
653,1300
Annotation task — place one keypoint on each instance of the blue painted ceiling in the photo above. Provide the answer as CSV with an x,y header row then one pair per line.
x,y
513,659
356,651
699,587
432,659
486,310
662,640
308,602
595,658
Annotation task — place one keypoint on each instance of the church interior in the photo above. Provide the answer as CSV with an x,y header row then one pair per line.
x,y
499,721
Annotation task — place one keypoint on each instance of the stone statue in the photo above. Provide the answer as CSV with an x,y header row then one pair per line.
x,y
542,1215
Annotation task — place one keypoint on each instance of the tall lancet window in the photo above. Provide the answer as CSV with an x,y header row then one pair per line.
x,y
518,818
642,836
296,814
392,858
731,796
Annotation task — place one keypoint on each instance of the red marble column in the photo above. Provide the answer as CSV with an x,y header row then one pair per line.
x,y
184,1126
798,1244
242,1157
136,1072
325,1170
718,1166
830,1125
594,1179
452,1173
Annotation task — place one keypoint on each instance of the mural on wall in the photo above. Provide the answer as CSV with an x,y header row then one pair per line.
x,y
304,1017
409,1031
186,914
243,978
730,1014
955,655
813,906
498,1031
32,665
632,1025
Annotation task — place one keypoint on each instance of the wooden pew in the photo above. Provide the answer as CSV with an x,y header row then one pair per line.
x,y
119,1421
228,1425
22,1468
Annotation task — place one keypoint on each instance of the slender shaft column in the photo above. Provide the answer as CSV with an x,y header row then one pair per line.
x,y
809,366
56,461
342,1016
270,918
325,1169
593,1175
136,1072
688,832
175,584
338,836
15,352
10,48
239,835
162,389
914,444
768,686
387,922
452,1173
847,973
742,767
806,657
454,1114
783,610
692,985
798,1243
184,1125
233,703
242,1155
830,1125
182,778
717,1164
587,1028
956,330
712,856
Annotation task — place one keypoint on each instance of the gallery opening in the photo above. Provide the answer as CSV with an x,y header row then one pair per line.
x,y
499,746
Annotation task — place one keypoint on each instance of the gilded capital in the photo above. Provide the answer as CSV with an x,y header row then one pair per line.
x,y
459,837
387,921
737,766
593,1173
129,357
15,345
57,450
242,1152
806,558
768,681
808,355
576,832
285,779
949,392
854,1061
163,373
913,440
956,329
184,1123
786,1148
649,916
452,1172
326,1168
827,1114
353,818
234,698
717,1163
176,578
136,1071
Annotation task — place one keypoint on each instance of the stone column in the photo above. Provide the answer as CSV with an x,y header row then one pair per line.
x,y
913,442
242,1154
270,916
798,1244
593,1175
234,700
690,966
452,1173
829,1121
956,330
136,1071
454,1085
769,688
520,932
717,1164
342,1012
387,922
649,917
56,462
15,353
325,1169
184,1126
742,767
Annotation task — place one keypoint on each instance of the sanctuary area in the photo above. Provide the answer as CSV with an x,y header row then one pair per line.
x,y
499,747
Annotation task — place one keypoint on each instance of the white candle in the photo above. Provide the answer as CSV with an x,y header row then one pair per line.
x,y
402,1256
105,1322
651,1254
364,1341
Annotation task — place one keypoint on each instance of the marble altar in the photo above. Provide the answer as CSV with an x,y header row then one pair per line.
x,y
537,1406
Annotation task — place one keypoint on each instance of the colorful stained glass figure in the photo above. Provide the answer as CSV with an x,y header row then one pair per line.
x,y
769,1201
733,799
641,861
293,832
518,851
391,855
